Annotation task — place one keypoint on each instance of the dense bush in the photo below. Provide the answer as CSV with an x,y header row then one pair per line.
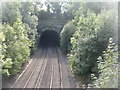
x,y
10,12
18,35
31,21
108,67
90,39
26,12
2,62
16,47
66,34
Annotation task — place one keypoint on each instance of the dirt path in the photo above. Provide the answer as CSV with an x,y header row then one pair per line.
x,y
48,69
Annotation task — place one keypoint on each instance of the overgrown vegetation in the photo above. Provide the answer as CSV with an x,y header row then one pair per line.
x,y
108,67
66,34
86,38
19,35
16,47
94,26
87,41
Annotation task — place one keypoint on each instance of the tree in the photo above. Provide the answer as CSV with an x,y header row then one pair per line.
x,y
10,12
16,47
66,34
15,29
108,67
31,21
87,41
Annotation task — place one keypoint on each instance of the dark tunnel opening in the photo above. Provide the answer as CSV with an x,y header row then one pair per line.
x,y
49,38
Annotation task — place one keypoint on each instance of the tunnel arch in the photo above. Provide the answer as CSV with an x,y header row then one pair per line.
x,y
49,38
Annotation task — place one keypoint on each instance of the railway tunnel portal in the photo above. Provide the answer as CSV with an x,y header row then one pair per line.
x,y
49,38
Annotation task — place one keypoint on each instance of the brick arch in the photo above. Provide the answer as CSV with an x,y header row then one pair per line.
x,y
49,27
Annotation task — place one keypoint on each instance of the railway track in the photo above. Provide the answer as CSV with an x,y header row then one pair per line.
x,y
48,69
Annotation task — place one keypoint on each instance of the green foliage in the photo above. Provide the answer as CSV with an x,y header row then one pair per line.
x,y
31,21
24,11
10,12
65,35
19,35
108,67
2,39
16,47
88,42
4,63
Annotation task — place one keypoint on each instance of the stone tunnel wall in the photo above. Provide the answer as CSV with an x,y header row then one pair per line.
x,y
53,25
